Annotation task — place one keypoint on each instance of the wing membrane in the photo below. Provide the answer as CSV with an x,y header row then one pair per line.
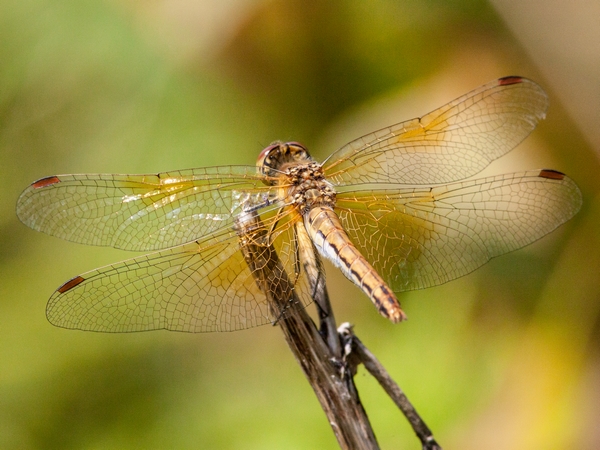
x,y
141,212
416,238
451,143
198,287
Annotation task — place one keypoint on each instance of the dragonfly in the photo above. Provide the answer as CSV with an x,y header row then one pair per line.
x,y
394,210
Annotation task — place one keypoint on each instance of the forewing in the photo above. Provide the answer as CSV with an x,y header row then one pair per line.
x,y
451,143
198,287
141,212
416,238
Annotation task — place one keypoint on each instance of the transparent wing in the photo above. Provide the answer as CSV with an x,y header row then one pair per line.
x,y
198,287
421,237
451,143
141,212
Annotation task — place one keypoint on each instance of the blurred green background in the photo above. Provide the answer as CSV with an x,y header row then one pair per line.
x,y
505,358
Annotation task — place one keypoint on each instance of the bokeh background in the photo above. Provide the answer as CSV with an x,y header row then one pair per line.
x,y
505,358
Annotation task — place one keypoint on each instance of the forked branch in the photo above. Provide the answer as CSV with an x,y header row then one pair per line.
x,y
319,353
353,345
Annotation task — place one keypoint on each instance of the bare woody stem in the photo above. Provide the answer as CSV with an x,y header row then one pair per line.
x,y
337,394
318,352
375,368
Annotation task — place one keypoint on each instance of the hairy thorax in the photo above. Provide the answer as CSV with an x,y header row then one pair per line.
x,y
308,187
301,179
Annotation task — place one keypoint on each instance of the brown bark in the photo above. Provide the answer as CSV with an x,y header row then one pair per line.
x,y
319,352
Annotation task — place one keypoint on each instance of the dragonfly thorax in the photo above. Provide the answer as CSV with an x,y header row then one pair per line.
x,y
307,187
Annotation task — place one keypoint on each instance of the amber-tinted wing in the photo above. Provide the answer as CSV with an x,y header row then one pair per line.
x,y
421,237
142,212
451,143
198,287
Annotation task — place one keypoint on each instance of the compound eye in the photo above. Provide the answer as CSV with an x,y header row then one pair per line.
x,y
298,151
296,144
263,157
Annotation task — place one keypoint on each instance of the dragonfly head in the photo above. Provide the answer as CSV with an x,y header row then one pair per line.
x,y
279,155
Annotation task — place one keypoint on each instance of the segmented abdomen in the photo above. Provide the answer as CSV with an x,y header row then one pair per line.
x,y
328,235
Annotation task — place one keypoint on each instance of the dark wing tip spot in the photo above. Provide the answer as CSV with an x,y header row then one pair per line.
x,y
70,284
45,182
551,174
509,80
